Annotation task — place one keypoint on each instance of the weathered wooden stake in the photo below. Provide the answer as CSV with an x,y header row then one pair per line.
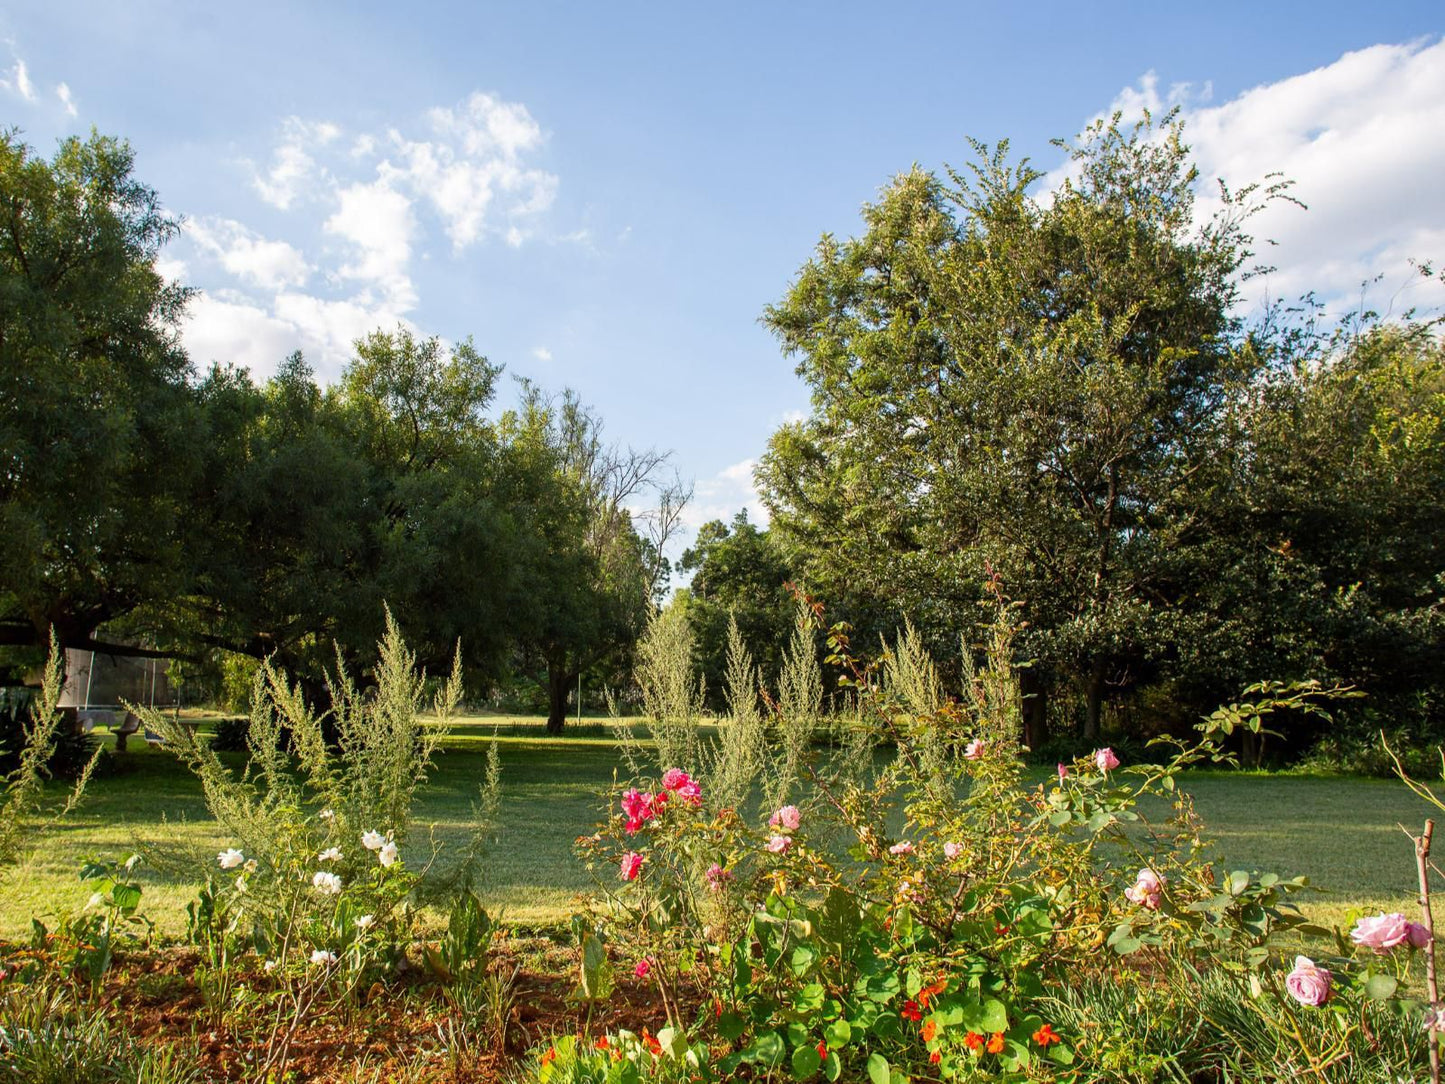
x,y
1422,862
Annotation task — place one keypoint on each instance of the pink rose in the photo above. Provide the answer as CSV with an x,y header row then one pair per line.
x,y
1418,935
974,749
642,968
639,807
1063,770
903,847
1381,933
1147,890
778,844
690,792
717,877
1106,760
952,850
788,818
1308,983
631,865
675,779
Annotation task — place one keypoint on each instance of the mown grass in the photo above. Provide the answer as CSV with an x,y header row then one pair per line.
x,y
1341,832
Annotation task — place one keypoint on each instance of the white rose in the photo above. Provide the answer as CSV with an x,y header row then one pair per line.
x,y
373,841
328,884
331,854
230,859
322,957
388,854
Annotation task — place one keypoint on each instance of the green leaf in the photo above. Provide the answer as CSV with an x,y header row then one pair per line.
x,y
1381,987
731,1026
767,1048
988,1015
806,1063
838,1034
878,1069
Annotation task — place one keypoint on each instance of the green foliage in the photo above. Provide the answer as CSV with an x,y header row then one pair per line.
x,y
738,575
98,430
23,786
672,693
832,948
1061,388
47,1038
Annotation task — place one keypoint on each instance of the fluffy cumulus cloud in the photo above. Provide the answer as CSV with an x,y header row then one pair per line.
x,y
723,495
248,256
360,206
1360,139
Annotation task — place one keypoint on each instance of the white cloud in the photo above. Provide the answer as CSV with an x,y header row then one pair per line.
x,y
1361,140
369,200
471,170
22,81
725,494
541,353
294,172
271,265
377,219
62,91
231,329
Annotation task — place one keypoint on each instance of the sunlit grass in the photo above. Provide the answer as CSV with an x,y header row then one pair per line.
x,y
1341,832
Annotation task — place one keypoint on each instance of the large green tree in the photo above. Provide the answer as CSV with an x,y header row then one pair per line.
x,y
1031,383
738,573
601,516
99,428
327,505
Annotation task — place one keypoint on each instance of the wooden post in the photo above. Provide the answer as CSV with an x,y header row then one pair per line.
x,y
1422,862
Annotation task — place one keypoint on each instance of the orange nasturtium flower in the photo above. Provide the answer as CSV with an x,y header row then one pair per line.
x,y
1045,1035
995,1045
928,993
549,1057
935,1058
930,1029
974,1041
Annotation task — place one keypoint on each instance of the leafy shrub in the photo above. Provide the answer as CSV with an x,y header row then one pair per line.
x,y
920,918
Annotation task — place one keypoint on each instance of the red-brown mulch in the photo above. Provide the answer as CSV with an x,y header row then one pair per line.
x,y
153,996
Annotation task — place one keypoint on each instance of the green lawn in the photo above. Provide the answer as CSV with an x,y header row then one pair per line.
x,y
1341,832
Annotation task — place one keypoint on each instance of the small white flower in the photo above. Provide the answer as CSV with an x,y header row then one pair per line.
x,y
327,814
373,841
269,966
328,884
365,922
331,854
241,883
388,855
230,859
322,957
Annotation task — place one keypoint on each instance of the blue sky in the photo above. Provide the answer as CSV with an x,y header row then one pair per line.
x,y
606,197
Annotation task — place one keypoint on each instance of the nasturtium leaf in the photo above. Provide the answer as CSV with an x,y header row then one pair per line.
x,y
806,1063
731,1026
878,1069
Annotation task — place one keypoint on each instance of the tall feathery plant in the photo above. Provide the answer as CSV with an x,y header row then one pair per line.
x,y
22,790
741,750
672,691
800,707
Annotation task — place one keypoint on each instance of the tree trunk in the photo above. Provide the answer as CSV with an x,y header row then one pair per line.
x,y
559,685
1035,708
1094,703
